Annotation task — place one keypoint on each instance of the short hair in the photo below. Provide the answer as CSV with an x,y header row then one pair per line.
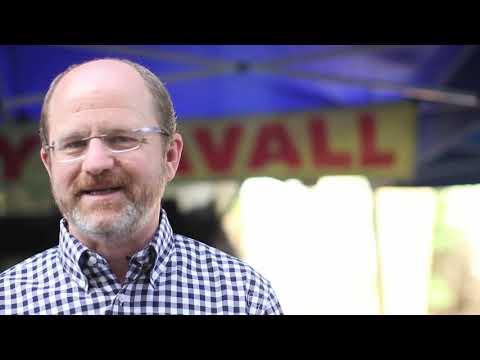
x,y
162,100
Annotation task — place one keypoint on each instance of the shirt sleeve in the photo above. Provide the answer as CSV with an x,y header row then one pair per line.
x,y
262,299
271,304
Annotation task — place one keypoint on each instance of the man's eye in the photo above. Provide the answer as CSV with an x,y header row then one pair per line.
x,y
74,145
121,141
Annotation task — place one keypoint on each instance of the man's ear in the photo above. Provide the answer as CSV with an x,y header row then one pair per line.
x,y
172,156
45,156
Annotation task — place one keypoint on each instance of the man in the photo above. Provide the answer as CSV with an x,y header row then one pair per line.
x,y
110,146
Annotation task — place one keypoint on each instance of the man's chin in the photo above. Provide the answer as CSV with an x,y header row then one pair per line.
x,y
104,222
109,219
97,224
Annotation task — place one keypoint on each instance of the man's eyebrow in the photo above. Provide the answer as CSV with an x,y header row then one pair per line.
x,y
74,134
86,133
114,130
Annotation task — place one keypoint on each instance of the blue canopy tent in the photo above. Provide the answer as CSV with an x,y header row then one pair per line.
x,y
213,81
233,81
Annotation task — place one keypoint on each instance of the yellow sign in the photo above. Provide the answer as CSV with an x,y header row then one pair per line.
x,y
374,141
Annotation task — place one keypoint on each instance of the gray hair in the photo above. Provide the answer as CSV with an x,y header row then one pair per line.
x,y
162,100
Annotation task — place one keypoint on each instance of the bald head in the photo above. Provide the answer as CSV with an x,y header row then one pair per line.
x,y
105,80
101,84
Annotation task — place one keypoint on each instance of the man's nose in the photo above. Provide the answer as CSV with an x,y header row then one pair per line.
x,y
98,158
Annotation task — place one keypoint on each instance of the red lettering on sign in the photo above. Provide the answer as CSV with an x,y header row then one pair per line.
x,y
274,144
370,155
219,157
185,165
14,159
322,154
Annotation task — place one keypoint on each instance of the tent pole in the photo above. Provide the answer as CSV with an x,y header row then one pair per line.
x,y
442,96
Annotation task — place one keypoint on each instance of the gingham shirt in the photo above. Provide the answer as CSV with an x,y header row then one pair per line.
x,y
172,275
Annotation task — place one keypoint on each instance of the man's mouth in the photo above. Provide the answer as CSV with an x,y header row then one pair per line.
x,y
101,191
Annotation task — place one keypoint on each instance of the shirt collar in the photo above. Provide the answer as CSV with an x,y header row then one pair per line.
x,y
73,254
162,244
71,251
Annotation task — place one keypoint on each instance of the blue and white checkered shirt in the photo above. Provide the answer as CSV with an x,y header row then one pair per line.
x,y
172,275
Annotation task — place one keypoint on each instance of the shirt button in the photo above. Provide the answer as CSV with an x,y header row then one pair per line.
x,y
146,268
91,261
122,298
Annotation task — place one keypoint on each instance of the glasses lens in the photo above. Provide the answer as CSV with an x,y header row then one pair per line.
x,y
122,141
118,141
72,147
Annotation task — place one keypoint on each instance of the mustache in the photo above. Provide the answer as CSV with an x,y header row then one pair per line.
x,y
101,181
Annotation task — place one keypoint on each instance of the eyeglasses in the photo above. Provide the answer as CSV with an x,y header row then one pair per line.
x,y
74,148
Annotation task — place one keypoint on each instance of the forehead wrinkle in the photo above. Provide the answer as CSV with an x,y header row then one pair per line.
x,y
87,121
105,113
111,100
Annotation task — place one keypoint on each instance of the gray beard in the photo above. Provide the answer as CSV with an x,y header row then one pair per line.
x,y
134,216
130,219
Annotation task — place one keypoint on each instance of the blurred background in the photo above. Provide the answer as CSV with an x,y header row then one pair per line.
x,y
348,175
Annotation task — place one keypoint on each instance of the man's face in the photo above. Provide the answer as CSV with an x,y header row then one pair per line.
x,y
106,195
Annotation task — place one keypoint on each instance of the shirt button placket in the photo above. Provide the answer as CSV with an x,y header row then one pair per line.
x,y
121,299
